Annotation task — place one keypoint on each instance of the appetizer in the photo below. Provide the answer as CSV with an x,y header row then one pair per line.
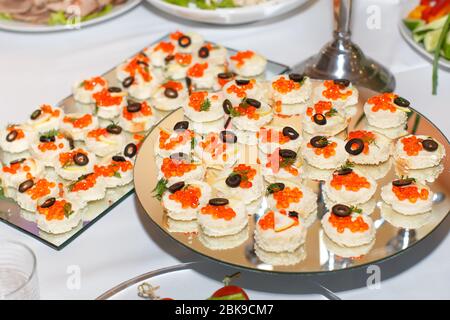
x,y
75,163
19,170
32,192
290,93
84,91
49,145
88,187
137,117
280,236
284,164
325,153
105,141
170,95
418,152
56,216
45,118
340,92
322,119
181,139
348,226
272,137
217,150
407,196
16,138
76,125
368,147
109,102
116,171
203,75
248,64
179,166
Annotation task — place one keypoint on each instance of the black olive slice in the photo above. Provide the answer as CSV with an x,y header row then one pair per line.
x,y
181,126
293,214
403,182
114,90
287,154
401,102
219,202
44,139
430,145
354,146
127,82
171,93
176,187
227,106
118,159
80,159
344,171
12,135
184,41
225,75
296,77
342,82
341,210
242,82
320,119
228,136
71,143
203,52
130,150
17,161
275,187
169,58
36,114
290,132
114,129
26,185
134,107
319,141
179,156
233,180
48,203
253,102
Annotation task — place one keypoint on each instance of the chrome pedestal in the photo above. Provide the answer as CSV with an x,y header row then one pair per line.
x,y
342,59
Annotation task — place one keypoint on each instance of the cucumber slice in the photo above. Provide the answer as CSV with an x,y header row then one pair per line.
x,y
436,24
413,24
431,40
419,37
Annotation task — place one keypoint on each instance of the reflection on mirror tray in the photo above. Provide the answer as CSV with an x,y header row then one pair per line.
x,y
328,184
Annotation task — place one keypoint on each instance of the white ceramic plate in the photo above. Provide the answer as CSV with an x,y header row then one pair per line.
x,y
407,35
18,26
229,16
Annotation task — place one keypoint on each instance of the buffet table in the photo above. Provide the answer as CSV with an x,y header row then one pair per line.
x,y
125,243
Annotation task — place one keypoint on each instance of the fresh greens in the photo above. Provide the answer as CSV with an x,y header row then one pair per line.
x,y
437,52
5,16
160,188
204,4
60,18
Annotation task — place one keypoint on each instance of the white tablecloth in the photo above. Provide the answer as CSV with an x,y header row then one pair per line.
x,y
41,68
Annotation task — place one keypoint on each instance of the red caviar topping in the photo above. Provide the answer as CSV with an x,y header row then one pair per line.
x,y
20,133
247,174
189,197
214,146
276,163
168,143
351,182
104,98
269,135
197,100
66,158
79,123
327,151
283,85
411,193
366,136
412,145
335,91
50,146
197,70
287,196
167,47
97,133
383,102
139,65
175,168
84,184
91,83
13,168
241,91
175,85
321,107
278,106
57,211
267,221
176,35
219,212
183,58
113,168
145,111
353,224
241,56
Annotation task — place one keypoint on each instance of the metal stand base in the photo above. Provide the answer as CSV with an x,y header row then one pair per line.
x,y
342,59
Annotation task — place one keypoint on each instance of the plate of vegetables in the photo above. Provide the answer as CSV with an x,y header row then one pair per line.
x,y
226,12
58,15
426,28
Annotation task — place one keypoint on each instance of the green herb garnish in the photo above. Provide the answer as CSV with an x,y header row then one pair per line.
x,y
160,188
117,174
206,105
50,134
355,209
67,210
437,53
